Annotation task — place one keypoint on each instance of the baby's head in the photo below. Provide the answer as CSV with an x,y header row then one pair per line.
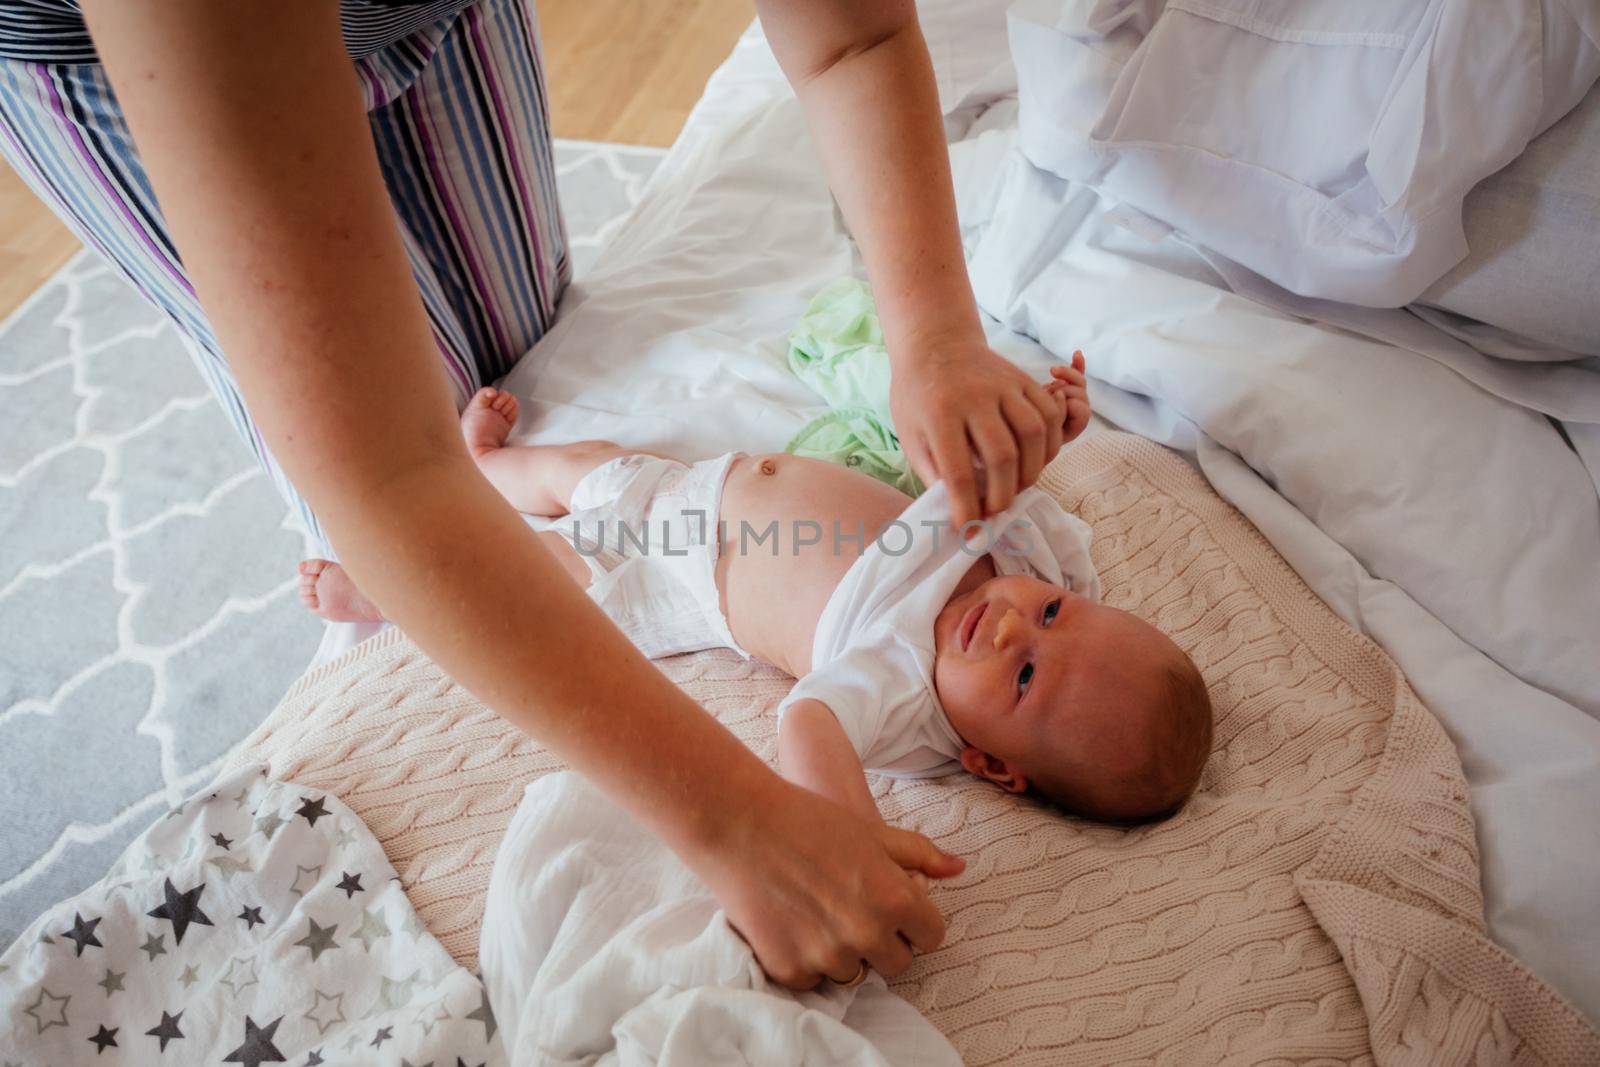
x,y
1090,706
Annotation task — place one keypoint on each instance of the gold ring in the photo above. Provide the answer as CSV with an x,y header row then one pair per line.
x,y
861,976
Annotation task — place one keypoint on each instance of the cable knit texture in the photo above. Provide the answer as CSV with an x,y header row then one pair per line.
x,y
1317,901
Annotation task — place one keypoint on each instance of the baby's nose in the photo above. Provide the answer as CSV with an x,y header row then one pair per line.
x,y
1008,627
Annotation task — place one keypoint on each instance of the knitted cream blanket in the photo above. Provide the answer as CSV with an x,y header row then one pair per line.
x,y
1317,900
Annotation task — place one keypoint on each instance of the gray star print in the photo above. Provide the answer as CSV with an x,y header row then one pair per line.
x,y
310,876
166,1029
41,1013
227,866
82,933
258,1047
311,810
393,994
483,1014
181,909
154,945
240,975
372,927
325,1017
112,982
318,939
267,824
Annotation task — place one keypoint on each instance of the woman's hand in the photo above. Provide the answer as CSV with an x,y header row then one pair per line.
x,y
958,406
817,890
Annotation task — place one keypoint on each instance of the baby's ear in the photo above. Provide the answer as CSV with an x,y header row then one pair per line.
x,y
978,762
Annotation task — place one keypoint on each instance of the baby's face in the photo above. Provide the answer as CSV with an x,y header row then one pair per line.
x,y
1000,646
1033,675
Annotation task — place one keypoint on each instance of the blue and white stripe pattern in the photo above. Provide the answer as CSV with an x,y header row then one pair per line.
x,y
53,31
461,125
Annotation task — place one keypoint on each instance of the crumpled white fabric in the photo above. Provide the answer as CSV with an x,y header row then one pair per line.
x,y
1327,145
600,947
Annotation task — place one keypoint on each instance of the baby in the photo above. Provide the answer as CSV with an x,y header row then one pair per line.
x,y
918,651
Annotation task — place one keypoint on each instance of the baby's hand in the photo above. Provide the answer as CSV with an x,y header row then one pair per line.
x,y
1071,392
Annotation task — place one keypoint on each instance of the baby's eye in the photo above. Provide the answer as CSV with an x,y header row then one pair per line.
x,y
1051,610
1024,676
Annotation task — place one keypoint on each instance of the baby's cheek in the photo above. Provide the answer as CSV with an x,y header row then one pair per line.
x,y
961,691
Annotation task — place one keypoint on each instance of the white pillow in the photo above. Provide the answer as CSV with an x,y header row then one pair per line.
x,y
1534,233
1324,144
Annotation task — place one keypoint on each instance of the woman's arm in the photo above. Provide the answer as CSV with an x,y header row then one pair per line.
x,y
250,124
813,751
862,73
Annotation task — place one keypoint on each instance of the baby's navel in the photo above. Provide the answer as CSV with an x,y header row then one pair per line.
x,y
768,467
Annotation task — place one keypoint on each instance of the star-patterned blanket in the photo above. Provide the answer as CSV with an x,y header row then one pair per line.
x,y
257,923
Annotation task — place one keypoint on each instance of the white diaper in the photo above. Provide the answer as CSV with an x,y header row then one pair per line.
x,y
648,529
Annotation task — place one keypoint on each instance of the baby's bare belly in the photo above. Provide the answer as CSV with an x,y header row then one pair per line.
x,y
791,529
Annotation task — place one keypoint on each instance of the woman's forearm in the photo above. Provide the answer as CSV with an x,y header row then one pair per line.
x,y
470,583
864,78
250,123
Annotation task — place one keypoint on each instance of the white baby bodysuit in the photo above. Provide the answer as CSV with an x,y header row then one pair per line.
x,y
872,659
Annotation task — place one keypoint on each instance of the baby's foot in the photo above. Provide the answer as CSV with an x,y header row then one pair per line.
x,y
488,419
327,590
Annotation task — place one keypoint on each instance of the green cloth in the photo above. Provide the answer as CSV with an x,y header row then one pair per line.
x,y
837,349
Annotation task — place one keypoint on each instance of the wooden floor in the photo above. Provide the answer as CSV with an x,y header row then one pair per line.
x,y
626,71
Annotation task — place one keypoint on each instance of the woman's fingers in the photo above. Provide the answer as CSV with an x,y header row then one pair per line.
x,y
921,460
995,442
952,458
1030,420
891,957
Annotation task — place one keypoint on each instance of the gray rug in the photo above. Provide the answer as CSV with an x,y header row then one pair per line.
x,y
147,612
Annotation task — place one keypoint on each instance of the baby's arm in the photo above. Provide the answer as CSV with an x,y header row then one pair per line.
x,y
814,752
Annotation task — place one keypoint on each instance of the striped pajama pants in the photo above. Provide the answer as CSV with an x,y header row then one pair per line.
x,y
461,125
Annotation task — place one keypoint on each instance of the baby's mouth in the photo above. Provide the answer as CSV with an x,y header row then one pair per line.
x,y
969,622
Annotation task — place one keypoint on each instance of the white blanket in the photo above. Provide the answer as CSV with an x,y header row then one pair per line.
x,y
600,946
675,342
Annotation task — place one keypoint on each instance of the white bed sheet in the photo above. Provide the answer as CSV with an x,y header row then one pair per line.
x,y
675,341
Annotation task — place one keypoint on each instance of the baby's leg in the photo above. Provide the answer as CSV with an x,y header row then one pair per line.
x,y
536,479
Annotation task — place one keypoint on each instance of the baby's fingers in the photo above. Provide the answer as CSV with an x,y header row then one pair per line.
x,y
1077,417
